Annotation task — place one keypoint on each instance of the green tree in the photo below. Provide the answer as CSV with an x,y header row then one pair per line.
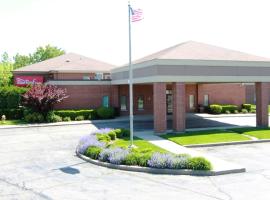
x,y
21,61
5,70
41,54
47,52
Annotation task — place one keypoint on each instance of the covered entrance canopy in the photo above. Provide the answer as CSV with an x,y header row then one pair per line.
x,y
194,62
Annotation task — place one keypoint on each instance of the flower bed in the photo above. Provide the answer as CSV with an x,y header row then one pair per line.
x,y
100,146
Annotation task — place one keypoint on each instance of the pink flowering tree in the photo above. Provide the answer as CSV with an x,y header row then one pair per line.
x,y
41,98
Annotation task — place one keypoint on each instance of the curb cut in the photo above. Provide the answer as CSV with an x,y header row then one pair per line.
x,y
159,171
227,143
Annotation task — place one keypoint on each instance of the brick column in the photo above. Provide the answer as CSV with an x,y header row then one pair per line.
x,y
262,100
160,112
179,106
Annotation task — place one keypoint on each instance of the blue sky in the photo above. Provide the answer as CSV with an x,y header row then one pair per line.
x,y
99,29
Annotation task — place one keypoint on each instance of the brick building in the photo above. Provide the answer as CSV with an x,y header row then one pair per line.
x,y
175,80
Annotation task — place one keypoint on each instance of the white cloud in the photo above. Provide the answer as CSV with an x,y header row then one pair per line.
x,y
99,28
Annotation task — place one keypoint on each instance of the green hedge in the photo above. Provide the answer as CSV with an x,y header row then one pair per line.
x,y
10,97
106,113
230,108
217,109
87,114
247,107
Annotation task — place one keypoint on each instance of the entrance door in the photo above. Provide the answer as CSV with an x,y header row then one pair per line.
x,y
169,101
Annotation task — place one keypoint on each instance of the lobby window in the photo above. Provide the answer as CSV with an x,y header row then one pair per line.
x,y
206,100
140,103
105,101
123,103
191,101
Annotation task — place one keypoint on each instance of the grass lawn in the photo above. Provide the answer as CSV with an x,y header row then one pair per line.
x,y
255,132
138,142
12,122
205,137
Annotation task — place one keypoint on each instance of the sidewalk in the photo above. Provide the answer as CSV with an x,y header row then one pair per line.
x,y
219,166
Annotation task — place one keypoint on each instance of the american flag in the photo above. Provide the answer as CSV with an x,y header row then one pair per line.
x,y
136,14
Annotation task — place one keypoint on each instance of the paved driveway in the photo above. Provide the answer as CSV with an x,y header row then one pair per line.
x,y
39,163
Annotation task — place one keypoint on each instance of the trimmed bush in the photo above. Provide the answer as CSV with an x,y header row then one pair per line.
x,y
13,113
105,113
103,137
34,117
236,112
253,111
66,119
132,159
215,109
79,118
112,135
247,107
227,112
118,132
244,111
230,108
93,152
199,163
52,117
87,114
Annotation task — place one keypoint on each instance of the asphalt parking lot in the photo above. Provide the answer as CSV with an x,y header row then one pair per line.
x,y
39,163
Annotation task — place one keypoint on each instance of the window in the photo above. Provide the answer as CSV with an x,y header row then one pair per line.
x,y
206,100
86,77
140,103
99,76
123,103
191,101
107,76
105,101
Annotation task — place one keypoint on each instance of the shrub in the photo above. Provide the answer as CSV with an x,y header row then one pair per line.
x,y
79,118
93,152
253,111
236,112
215,109
104,155
125,132
199,163
103,137
159,160
66,119
230,108
118,132
10,96
244,111
34,117
87,141
102,131
247,107
227,112
56,118
41,98
105,113
117,155
178,161
74,113
112,135
132,159
13,113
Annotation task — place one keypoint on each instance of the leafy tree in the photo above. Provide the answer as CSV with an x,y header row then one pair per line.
x,y
5,70
48,52
41,54
21,61
41,98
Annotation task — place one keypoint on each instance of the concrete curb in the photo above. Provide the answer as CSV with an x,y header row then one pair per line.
x,y
227,143
60,123
160,171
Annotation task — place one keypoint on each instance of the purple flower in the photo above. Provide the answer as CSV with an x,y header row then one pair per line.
x,y
159,160
87,141
117,155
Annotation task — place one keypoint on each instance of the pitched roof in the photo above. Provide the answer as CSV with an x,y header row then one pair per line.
x,y
192,50
68,62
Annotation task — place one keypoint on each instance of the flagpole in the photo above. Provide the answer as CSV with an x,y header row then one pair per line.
x,y
130,80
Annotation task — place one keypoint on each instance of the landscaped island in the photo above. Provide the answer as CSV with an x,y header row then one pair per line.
x,y
111,146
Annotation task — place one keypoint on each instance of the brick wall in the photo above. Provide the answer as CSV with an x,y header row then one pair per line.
x,y
222,93
87,96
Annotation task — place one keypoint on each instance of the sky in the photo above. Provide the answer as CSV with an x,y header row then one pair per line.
x,y
99,28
